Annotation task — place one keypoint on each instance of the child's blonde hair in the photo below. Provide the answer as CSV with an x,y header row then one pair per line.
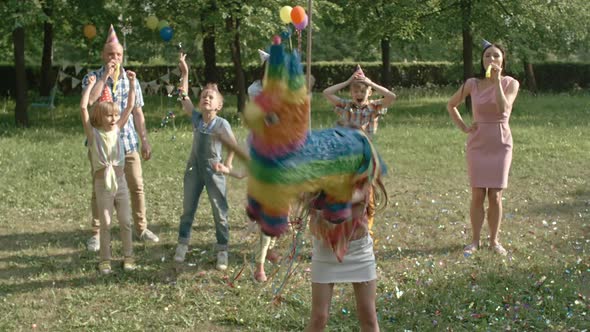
x,y
100,111
213,87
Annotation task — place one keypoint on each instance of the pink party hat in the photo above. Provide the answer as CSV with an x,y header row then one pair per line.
x,y
106,95
112,36
358,71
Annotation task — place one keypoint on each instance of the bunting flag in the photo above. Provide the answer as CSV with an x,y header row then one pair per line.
x,y
62,76
78,68
143,86
166,78
75,82
169,88
195,91
176,72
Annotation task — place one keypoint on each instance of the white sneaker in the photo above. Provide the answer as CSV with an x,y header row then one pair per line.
x,y
148,235
181,250
93,243
221,261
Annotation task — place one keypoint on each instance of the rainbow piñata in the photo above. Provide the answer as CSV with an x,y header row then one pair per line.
x,y
286,159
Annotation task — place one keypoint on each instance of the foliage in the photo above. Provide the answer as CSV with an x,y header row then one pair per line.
x,y
50,282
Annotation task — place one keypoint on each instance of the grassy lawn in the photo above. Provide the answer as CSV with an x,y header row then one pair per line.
x,y
49,282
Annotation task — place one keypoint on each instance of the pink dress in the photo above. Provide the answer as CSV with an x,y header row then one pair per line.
x,y
489,148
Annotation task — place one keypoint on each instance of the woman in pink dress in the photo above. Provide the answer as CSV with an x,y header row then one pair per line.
x,y
489,141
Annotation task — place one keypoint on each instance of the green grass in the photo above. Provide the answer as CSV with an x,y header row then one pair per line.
x,y
48,279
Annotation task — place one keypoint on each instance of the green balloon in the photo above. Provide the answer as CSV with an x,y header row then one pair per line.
x,y
162,24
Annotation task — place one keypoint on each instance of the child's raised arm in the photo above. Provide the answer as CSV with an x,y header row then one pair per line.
x,y
330,93
84,107
187,104
130,100
388,95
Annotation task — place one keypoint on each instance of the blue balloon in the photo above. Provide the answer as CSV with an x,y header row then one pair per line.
x,y
166,33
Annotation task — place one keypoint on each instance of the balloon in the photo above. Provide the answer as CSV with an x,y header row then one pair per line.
x,y
285,14
89,31
151,22
166,33
297,14
303,24
162,24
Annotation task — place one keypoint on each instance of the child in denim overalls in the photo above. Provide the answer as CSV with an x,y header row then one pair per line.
x,y
205,168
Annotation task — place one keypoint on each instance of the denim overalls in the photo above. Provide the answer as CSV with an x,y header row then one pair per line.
x,y
199,174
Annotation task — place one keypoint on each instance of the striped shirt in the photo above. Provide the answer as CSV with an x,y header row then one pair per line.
x,y
365,117
128,133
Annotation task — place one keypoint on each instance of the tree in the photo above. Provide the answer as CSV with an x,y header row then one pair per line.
x,y
21,14
46,60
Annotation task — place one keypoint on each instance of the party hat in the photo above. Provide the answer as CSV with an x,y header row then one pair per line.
x,y
263,55
485,44
358,71
112,36
106,95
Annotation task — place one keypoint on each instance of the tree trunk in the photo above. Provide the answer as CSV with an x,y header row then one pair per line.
x,y
20,111
233,27
209,47
531,82
386,59
47,80
466,7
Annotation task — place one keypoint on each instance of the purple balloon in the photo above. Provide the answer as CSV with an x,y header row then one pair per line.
x,y
166,33
303,24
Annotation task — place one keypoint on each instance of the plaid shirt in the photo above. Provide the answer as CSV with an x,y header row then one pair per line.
x,y
365,117
128,134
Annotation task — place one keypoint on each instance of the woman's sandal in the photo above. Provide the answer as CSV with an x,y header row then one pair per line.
x,y
470,249
499,249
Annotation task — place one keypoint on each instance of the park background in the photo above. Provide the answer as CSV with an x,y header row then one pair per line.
x,y
421,49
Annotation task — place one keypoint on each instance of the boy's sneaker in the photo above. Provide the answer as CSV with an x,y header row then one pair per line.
x,y
221,261
129,264
148,235
93,243
105,267
181,250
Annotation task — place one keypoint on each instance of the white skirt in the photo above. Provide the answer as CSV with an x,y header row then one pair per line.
x,y
358,264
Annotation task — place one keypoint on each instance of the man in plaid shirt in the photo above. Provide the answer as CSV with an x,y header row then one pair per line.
x,y
112,55
360,112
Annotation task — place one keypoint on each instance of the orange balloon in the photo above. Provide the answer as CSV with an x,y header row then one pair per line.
x,y
89,31
297,14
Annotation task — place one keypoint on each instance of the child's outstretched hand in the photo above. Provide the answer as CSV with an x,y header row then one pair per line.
x,y
182,63
131,77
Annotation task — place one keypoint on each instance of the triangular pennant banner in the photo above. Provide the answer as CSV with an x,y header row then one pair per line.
x,y
62,76
75,82
166,78
78,68
195,91
169,88
176,72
